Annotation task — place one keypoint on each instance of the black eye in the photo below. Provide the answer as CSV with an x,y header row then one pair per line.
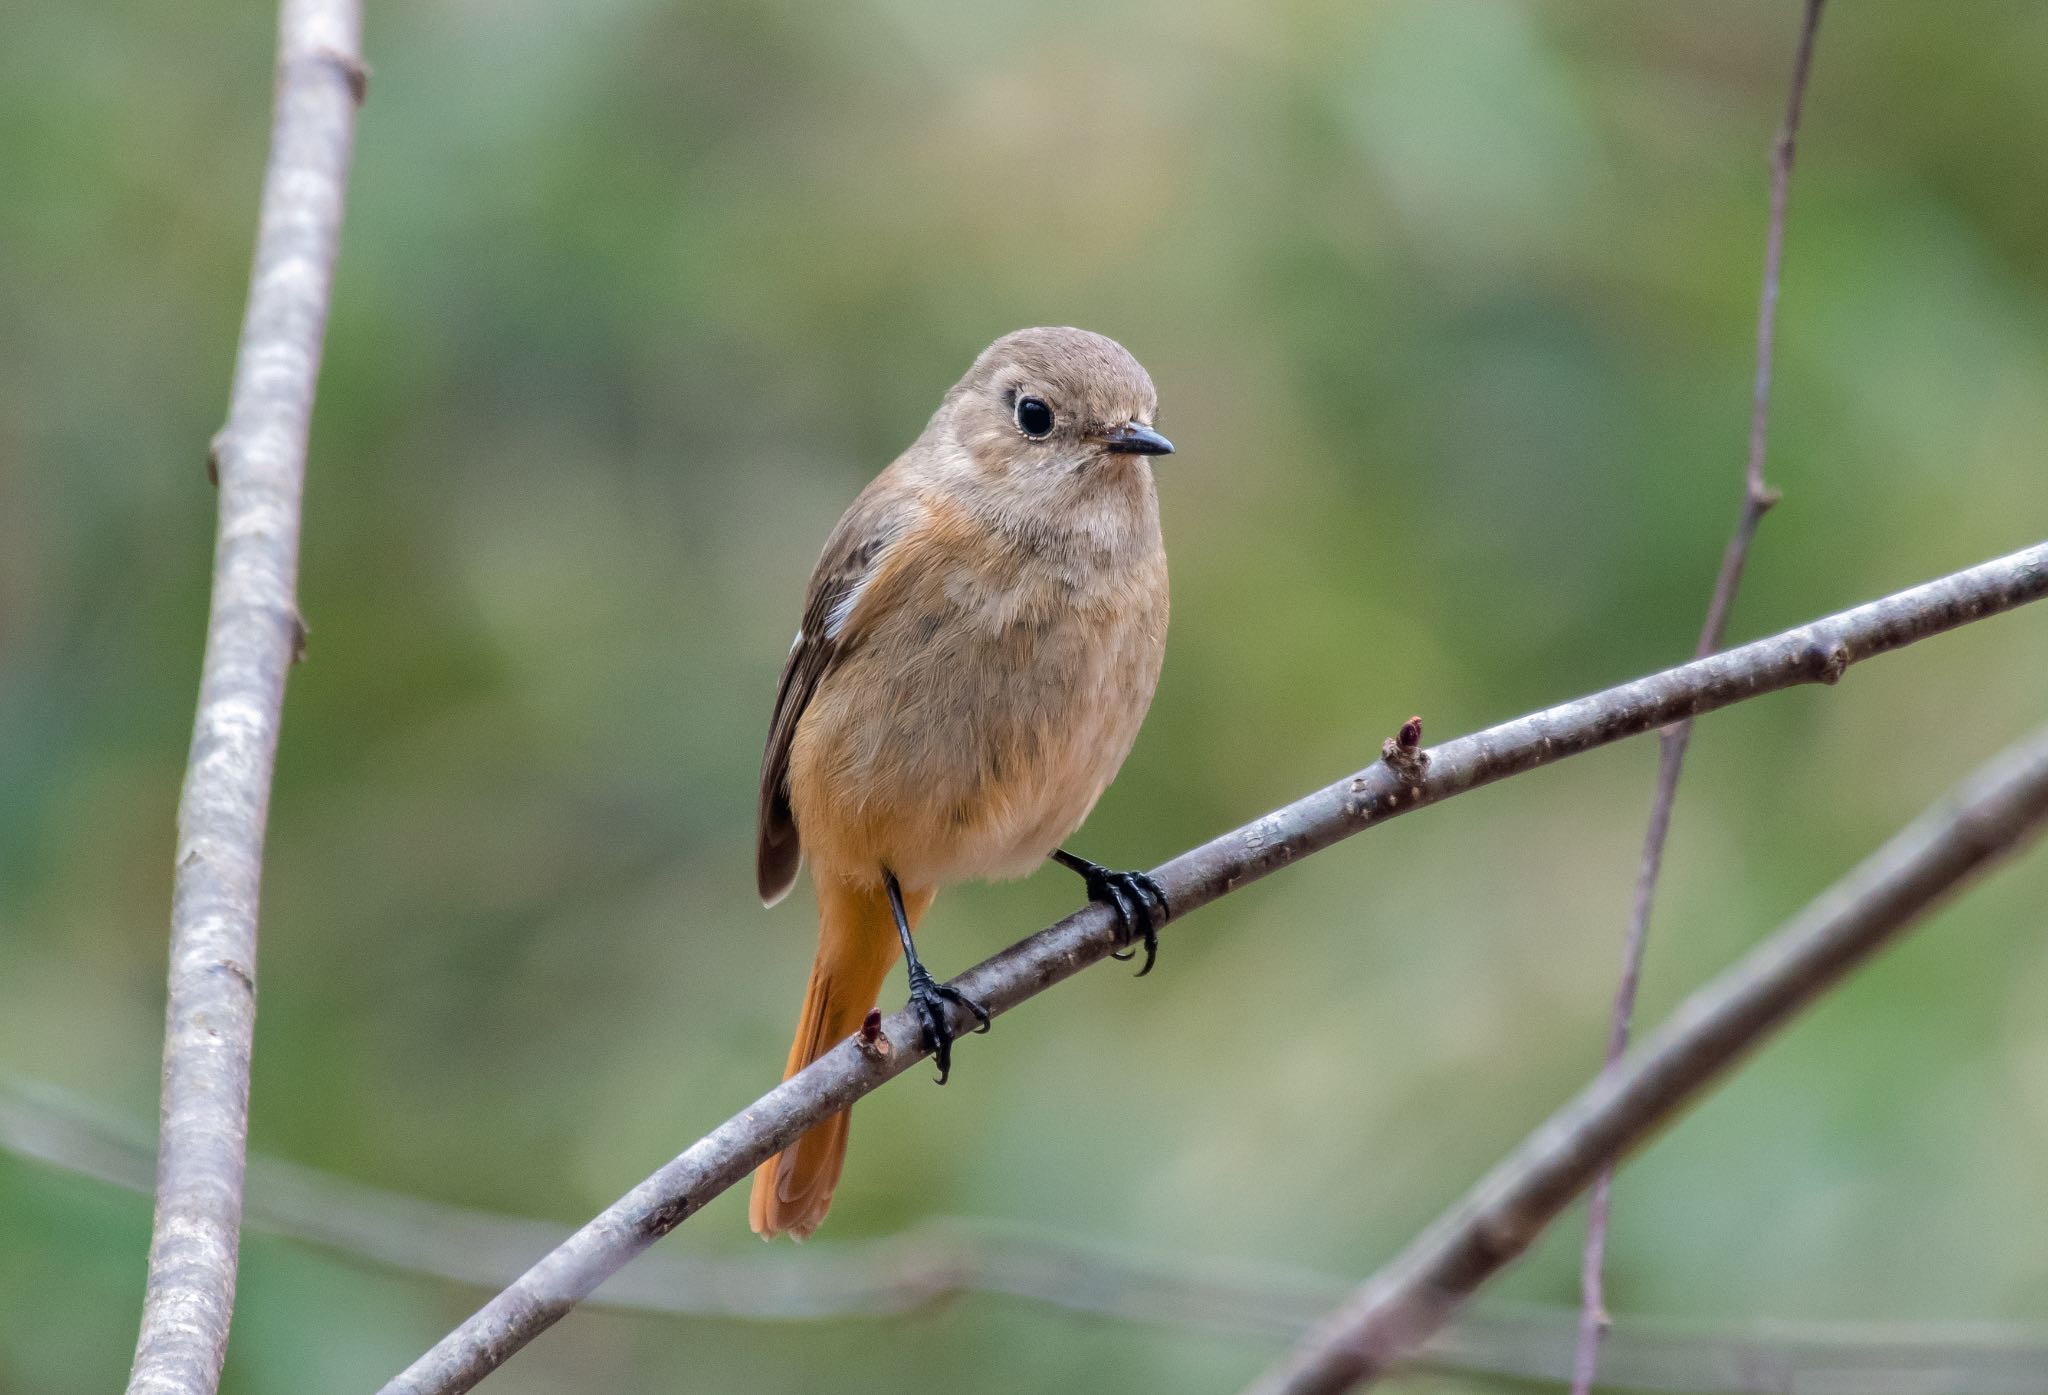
x,y
1034,418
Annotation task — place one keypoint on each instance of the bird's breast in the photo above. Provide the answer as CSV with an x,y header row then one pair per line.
x,y
982,711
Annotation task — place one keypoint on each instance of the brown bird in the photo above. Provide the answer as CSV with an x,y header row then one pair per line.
x,y
980,641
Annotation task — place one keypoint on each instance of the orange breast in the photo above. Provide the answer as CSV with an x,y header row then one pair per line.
x,y
988,698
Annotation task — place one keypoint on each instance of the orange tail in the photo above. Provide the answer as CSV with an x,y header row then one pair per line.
x,y
857,943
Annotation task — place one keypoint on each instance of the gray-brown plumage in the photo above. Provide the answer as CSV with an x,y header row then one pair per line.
x,y
979,644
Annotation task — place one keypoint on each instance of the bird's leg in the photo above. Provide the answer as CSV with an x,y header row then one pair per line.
x,y
928,997
1132,895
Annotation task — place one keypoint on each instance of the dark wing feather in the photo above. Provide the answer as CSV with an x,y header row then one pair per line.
x,y
850,557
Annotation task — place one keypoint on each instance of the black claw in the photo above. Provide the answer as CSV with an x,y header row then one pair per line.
x,y
1129,914
1137,900
930,999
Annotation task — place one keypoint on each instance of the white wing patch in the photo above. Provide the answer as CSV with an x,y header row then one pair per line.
x,y
842,609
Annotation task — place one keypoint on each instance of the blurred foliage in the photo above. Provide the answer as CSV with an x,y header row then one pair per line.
x,y
1450,305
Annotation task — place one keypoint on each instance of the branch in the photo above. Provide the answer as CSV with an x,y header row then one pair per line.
x,y
941,1259
1757,499
252,636
1993,815
1815,653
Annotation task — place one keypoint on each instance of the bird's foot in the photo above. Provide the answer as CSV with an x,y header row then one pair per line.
x,y
1139,904
931,1001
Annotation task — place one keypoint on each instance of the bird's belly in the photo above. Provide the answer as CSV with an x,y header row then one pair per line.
x,y
972,756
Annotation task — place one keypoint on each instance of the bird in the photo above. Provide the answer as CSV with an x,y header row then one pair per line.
x,y
980,642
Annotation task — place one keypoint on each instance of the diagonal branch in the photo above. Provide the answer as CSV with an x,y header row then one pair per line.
x,y
1996,813
1757,499
942,1258
1815,653
252,636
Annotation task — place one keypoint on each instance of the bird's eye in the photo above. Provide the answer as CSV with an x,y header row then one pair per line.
x,y
1034,418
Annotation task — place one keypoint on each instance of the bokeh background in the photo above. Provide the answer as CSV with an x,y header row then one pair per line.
x,y
1451,308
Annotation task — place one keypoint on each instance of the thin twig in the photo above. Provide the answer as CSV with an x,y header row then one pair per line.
x,y
1815,653
1998,811
945,1258
252,636
1757,498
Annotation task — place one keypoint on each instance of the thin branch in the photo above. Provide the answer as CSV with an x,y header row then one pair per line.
x,y
1757,498
1997,812
1815,653
943,1259
252,636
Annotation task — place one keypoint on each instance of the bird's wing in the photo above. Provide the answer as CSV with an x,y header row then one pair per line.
x,y
852,557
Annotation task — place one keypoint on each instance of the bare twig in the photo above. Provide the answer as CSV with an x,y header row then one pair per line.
x,y
1998,811
1819,652
944,1258
252,636
1757,498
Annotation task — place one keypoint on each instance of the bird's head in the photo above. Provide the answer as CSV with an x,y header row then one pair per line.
x,y
1052,405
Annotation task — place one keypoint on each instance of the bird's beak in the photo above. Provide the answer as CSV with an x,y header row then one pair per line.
x,y
1133,438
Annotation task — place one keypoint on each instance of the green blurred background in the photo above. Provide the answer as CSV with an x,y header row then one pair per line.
x,y
1451,309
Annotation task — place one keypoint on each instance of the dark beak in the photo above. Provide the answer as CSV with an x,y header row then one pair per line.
x,y
1133,438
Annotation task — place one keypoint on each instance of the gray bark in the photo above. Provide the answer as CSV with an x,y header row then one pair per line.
x,y
1817,653
253,634
1999,811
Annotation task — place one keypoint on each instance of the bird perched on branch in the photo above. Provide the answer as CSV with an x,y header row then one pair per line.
x,y
979,644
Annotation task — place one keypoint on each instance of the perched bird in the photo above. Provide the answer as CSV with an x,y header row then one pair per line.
x,y
980,641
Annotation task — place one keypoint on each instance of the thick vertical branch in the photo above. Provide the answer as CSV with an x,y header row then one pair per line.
x,y
1757,498
253,634
1996,813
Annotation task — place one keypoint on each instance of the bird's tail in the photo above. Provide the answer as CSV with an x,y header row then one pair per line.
x,y
857,943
